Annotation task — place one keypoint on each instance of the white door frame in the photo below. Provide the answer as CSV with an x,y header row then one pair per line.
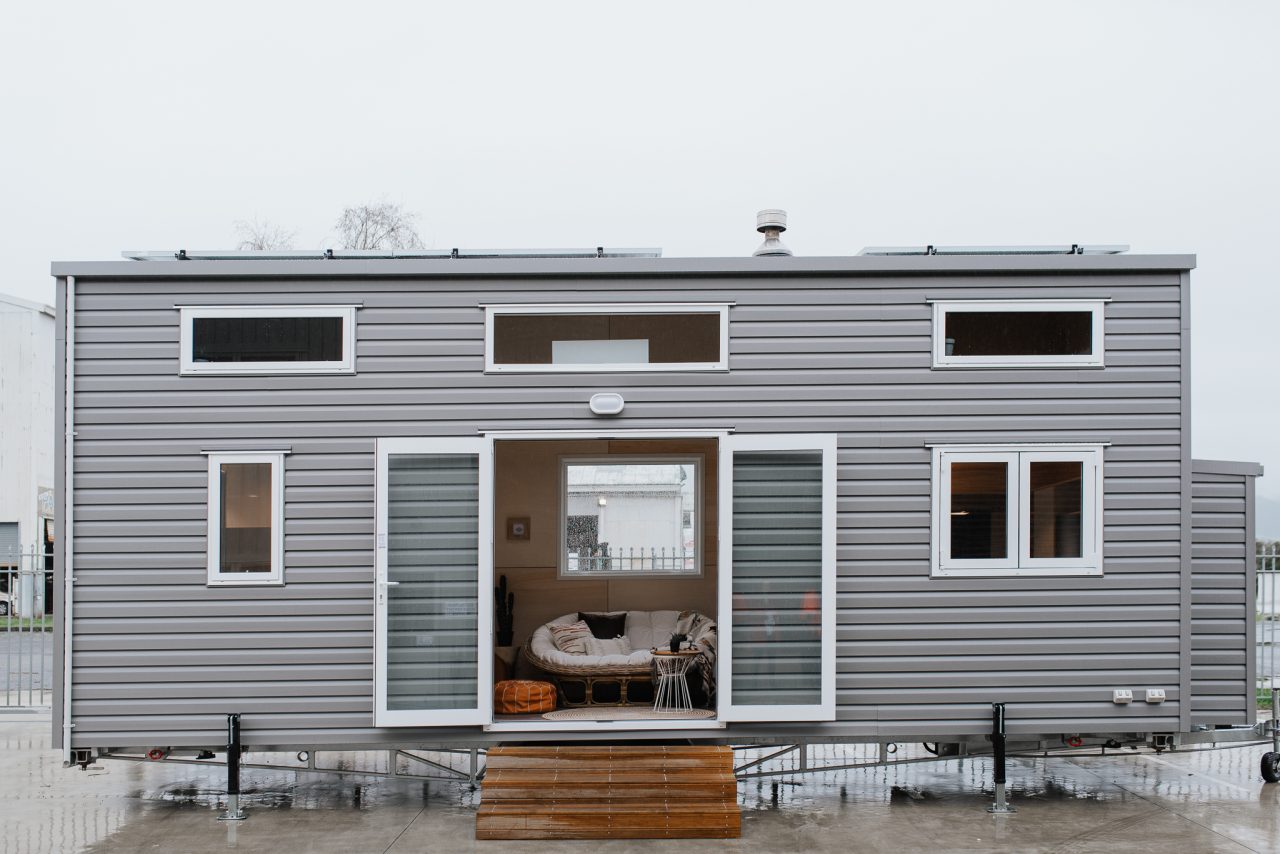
x,y
826,709
482,447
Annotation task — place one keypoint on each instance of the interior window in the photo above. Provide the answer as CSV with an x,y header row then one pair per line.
x,y
636,517
606,338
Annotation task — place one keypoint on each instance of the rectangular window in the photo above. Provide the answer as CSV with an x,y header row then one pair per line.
x,y
267,339
647,337
1025,333
631,516
1017,510
246,513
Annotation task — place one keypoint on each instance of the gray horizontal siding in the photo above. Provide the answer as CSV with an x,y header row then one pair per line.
x,y
159,652
1222,619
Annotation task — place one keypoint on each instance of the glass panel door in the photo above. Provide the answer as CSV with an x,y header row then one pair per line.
x,y
434,554
777,587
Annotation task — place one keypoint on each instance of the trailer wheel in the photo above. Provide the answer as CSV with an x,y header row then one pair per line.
x,y
1270,767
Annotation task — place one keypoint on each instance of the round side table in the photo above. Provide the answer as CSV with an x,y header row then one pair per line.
x,y
672,691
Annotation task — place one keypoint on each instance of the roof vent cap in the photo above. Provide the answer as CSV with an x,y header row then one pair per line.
x,y
771,223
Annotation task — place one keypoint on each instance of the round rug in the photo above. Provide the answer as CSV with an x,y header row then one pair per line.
x,y
624,713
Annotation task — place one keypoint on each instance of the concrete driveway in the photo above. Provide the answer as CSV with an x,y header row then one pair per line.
x,y
1205,801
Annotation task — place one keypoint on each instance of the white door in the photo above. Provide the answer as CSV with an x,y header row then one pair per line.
x,y
433,590
777,577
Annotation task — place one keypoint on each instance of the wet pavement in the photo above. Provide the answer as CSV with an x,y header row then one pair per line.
x,y
1205,801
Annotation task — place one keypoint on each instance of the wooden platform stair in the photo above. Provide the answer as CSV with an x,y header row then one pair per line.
x,y
609,792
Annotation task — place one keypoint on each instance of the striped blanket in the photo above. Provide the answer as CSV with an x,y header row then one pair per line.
x,y
701,632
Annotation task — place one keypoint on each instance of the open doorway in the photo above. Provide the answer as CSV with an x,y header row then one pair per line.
x,y
605,550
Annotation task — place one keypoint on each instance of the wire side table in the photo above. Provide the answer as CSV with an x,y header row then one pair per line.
x,y
671,693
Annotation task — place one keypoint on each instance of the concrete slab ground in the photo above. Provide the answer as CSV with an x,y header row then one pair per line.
x,y
1207,801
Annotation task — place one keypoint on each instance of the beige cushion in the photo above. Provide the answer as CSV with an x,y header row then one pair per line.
x,y
611,646
571,638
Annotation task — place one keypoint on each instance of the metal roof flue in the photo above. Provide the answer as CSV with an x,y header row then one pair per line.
x,y
771,223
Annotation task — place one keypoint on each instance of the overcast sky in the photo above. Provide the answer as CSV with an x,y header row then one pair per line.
x,y
1156,124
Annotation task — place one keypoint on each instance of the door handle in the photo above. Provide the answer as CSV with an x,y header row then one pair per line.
x,y
382,590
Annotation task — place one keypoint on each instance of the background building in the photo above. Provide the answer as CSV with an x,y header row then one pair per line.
x,y
26,442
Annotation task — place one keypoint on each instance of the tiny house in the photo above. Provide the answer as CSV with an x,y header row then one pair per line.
x,y
903,485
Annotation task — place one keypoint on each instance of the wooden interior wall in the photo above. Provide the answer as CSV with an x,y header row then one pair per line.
x,y
527,483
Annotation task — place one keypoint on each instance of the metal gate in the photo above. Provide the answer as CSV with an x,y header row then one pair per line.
x,y
26,627
1267,622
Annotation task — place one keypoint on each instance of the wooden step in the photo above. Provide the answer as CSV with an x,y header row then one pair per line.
x,y
609,792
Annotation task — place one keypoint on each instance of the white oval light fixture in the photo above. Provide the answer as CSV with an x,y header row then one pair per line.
x,y
607,403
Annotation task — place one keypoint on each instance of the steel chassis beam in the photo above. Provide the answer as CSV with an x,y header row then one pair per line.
x,y
473,774
1098,746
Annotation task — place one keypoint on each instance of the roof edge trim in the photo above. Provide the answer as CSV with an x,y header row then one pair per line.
x,y
587,267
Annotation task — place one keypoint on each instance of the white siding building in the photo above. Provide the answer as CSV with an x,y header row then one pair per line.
x,y
26,425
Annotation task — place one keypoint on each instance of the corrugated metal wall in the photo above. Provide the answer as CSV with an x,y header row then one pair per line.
x,y
158,652
1222,595
10,544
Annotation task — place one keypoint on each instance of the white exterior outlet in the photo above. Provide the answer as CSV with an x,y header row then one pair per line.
x,y
1155,695
1120,696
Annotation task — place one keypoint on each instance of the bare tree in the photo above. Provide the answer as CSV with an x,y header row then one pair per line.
x,y
261,234
378,226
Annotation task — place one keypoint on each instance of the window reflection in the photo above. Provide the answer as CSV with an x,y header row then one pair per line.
x,y
1019,333
979,510
1057,500
245,525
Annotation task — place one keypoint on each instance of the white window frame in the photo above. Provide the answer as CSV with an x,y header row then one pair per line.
x,y
721,364
825,710
1094,359
1018,561
619,459
189,313
218,578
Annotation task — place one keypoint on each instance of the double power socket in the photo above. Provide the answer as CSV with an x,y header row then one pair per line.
x,y
1122,696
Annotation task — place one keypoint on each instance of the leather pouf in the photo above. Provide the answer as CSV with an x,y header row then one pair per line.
x,y
523,697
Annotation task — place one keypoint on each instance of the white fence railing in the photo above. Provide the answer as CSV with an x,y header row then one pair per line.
x,y
26,628
1267,618
674,561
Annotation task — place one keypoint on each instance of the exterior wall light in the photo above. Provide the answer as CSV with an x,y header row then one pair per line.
x,y
607,403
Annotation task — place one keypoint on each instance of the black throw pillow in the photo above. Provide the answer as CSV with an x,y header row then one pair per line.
x,y
605,626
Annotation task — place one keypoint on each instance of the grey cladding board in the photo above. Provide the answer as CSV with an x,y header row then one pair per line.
x,y
1222,593
821,345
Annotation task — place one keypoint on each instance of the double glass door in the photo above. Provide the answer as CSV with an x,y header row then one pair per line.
x,y
434,580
